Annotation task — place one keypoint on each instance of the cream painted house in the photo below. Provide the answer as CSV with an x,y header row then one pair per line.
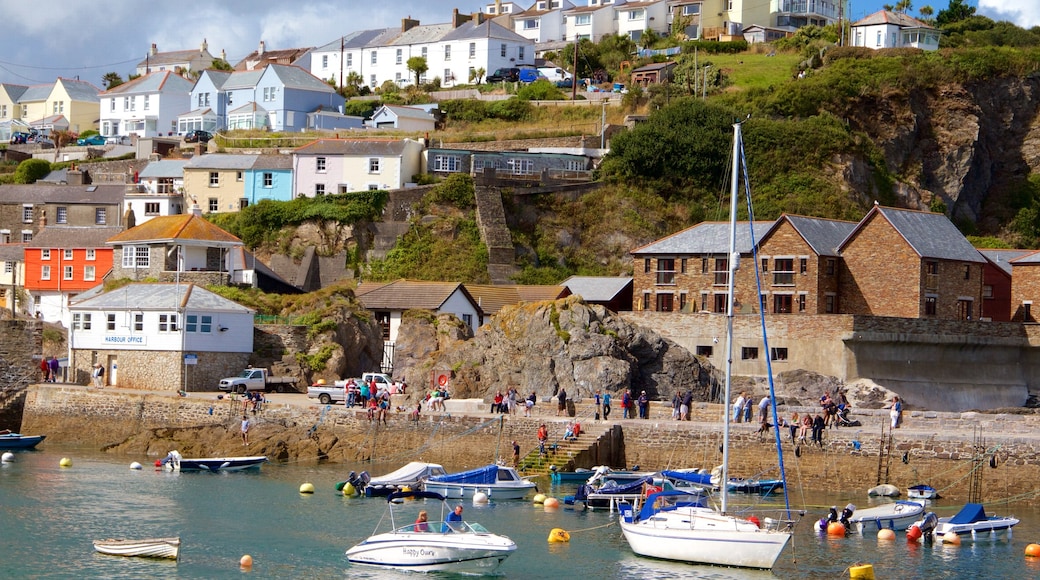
x,y
216,182
330,166
63,104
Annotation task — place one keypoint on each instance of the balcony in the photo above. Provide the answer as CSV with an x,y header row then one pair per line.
x,y
153,189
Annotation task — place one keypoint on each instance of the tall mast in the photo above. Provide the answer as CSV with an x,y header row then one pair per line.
x,y
731,267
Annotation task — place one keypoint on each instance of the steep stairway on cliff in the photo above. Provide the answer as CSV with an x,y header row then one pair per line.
x,y
494,231
560,453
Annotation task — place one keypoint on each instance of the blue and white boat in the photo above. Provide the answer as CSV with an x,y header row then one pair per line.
x,y
893,516
972,522
174,462
497,481
922,492
9,440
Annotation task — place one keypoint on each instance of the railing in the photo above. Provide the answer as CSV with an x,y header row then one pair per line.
x,y
272,319
154,189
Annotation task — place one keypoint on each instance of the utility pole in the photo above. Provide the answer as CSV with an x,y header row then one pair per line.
x,y
574,76
341,64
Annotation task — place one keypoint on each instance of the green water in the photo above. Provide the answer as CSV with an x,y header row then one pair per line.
x,y
50,515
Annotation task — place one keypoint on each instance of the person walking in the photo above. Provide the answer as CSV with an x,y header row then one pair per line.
x,y
599,405
561,408
543,436
98,375
644,406
684,408
606,406
53,369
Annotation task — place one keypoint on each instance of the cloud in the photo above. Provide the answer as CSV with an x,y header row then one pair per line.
x,y
1026,14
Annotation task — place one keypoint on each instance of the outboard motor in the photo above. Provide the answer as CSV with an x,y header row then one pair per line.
x,y
928,524
846,514
821,525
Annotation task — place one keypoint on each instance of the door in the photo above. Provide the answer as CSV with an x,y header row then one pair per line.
x,y
112,370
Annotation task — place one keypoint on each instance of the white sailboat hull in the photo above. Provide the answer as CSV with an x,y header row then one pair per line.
x,y
702,536
430,552
517,490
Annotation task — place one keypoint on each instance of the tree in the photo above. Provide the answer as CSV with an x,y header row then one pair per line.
x,y
418,66
476,75
956,12
926,12
111,80
352,84
904,6
220,64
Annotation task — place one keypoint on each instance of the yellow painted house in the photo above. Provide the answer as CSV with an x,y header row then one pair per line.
x,y
725,19
216,181
64,104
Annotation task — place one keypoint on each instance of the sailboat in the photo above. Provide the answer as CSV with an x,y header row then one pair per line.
x,y
686,531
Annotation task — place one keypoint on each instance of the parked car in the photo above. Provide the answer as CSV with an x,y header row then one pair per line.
x,y
20,137
257,380
509,75
117,140
569,83
92,140
198,136
529,75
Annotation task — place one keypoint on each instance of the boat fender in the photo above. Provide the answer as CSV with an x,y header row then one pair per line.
x,y
836,529
557,535
861,572
755,521
348,490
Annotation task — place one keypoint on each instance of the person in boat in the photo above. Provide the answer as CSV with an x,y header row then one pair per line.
x,y
454,520
421,525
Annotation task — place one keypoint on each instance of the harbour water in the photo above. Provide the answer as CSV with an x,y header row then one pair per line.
x,y
49,516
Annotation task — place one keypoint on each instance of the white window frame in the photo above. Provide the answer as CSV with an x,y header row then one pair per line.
x,y
45,254
88,273
91,254
374,164
67,254
68,272
321,165
62,214
45,272
136,257
100,216
168,323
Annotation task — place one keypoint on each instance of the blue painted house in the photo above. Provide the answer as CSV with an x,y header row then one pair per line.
x,y
207,108
289,93
270,177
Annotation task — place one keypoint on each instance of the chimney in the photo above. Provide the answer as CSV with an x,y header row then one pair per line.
x,y
223,55
76,176
457,19
205,46
155,50
260,51
43,217
408,24
195,209
129,219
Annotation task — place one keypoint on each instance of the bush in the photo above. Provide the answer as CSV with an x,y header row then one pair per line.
x,y
512,109
465,110
30,170
540,90
358,108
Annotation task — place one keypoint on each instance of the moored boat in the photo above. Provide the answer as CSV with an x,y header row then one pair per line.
x,y
497,481
9,440
922,492
455,546
893,516
972,522
174,462
143,548
410,476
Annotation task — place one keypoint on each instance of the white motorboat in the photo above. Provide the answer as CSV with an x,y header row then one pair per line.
x,y
174,462
893,516
922,492
411,476
703,535
144,548
497,481
883,490
455,546
971,522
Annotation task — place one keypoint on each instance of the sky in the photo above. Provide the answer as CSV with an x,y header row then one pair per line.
x,y
45,39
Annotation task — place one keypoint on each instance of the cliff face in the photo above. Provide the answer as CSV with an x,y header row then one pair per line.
x,y
965,144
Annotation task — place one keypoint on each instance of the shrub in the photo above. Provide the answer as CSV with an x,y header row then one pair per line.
x,y
30,170
466,110
540,90
359,108
512,109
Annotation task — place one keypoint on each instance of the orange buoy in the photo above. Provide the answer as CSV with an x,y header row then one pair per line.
x,y
1033,550
551,503
886,535
951,538
246,561
836,529
913,533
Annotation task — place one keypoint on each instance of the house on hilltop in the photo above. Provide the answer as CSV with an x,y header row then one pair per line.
x,y
178,61
147,106
887,29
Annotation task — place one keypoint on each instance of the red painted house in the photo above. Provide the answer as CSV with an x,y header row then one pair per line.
x,y
61,262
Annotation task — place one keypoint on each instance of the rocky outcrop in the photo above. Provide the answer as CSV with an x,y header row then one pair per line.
x,y
545,346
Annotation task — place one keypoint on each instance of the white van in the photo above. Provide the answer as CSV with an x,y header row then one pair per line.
x,y
554,74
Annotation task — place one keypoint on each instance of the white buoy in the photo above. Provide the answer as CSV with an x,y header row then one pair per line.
x,y
539,498
65,462
8,457
480,498
307,488
135,465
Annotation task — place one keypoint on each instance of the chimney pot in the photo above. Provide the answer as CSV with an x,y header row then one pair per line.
x,y
261,50
155,49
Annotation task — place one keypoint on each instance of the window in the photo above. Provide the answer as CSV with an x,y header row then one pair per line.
x,y
583,20
646,265
646,301
8,267
110,322
765,265
319,165
59,107
350,60
45,254
472,50
3,111
88,273
964,308
682,301
721,271
691,9
81,321
100,214
151,208
214,179
343,188
446,163
782,303
635,14
467,319
830,303
829,267
748,352
238,176
243,203
801,303
373,165
664,302
704,265
967,271
26,236
720,304
931,275
27,214
373,57
783,274
319,189
521,166
1027,312
704,301
987,291
682,266
704,350
268,179
67,273
138,322
502,50
136,257
803,265
423,52
324,61
45,272
930,305
520,52
63,215
167,323
665,271
213,204
67,254
269,93
778,353
146,102
399,53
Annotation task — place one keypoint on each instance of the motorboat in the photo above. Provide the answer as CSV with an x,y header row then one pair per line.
x,y
144,548
607,493
971,522
702,478
497,481
893,516
709,535
454,546
579,475
174,462
922,492
883,490
410,476
11,440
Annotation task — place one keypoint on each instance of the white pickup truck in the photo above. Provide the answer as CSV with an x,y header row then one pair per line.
x,y
257,380
337,392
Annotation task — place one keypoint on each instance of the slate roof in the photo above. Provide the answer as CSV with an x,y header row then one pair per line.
x,y
352,147
823,235
34,93
250,107
705,238
408,294
217,77
487,29
274,162
407,112
159,297
179,228
155,82
422,34
1002,259
170,57
597,288
655,66
897,18
12,252
294,77
493,298
41,193
81,90
931,235
14,92
1029,258
163,168
242,79
221,161
69,237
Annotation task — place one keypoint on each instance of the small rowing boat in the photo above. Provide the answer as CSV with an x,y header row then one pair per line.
x,y
144,548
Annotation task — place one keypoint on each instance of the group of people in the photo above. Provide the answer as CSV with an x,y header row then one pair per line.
x,y
629,404
435,398
681,403
602,405
253,400
505,403
49,368
453,521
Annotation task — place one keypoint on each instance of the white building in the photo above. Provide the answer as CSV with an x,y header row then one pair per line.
x,y
543,21
886,29
637,16
592,21
147,106
159,190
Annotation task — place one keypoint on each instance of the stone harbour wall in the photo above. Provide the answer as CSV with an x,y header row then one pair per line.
x,y
149,370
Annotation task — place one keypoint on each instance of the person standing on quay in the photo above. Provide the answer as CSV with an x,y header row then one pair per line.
x,y
53,368
245,430
606,406
516,455
644,406
599,405
562,406
45,369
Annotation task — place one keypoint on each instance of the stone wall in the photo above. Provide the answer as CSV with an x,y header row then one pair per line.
x,y
149,370
21,345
